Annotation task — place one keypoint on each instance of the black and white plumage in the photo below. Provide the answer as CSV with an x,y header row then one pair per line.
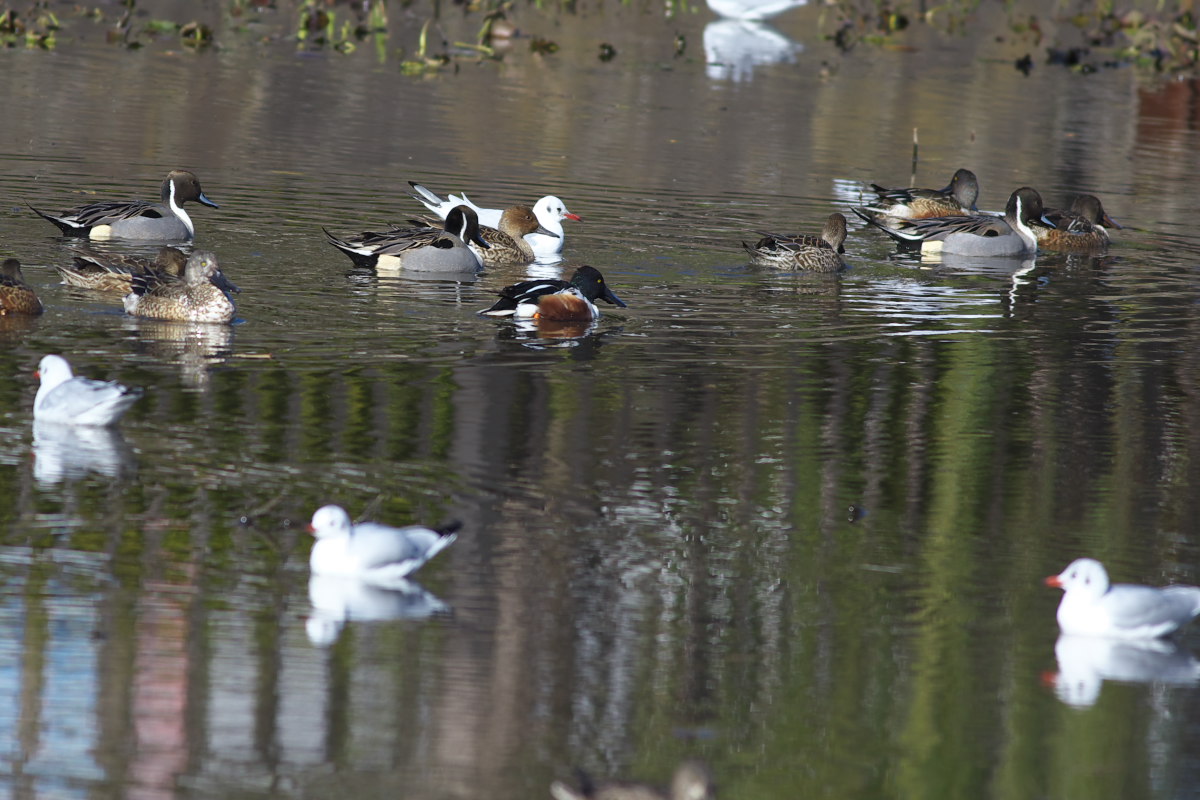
x,y
557,300
66,399
420,248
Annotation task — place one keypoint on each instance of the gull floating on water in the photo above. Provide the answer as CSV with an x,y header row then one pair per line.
x,y
378,554
1092,607
70,400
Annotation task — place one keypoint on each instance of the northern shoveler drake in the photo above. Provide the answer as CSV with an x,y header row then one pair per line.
x,y
556,300
141,220
202,295
692,781
550,212
957,199
113,272
816,254
1009,235
66,399
1079,229
419,249
15,295
372,552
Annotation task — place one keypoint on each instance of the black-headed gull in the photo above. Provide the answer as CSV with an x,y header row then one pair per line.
x,y
692,781
66,399
1092,607
550,212
375,553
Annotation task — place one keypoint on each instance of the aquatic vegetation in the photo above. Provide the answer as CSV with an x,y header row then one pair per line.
x,y
38,32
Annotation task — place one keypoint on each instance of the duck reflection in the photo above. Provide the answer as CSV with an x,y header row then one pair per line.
x,y
1085,662
338,599
193,346
70,452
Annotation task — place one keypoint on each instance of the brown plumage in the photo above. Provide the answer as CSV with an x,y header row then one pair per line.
x,y
1079,229
15,295
811,253
113,272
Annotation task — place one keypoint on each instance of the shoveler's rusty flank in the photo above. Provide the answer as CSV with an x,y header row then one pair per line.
x,y
958,198
1079,229
113,272
555,300
811,253
15,295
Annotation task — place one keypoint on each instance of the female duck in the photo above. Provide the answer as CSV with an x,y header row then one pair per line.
x,y
141,220
957,199
113,272
202,295
15,295
1079,229
810,253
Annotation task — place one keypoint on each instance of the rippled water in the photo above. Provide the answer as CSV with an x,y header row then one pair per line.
x,y
794,526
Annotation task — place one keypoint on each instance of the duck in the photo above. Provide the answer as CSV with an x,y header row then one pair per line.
x,y
550,212
419,249
1091,606
375,553
16,297
1009,235
556,300
138,220
692,781
201,296
956,199
66,399
507,245
812,253
113,272
1079,229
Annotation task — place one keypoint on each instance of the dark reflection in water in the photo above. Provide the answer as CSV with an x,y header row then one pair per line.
x,y
793,526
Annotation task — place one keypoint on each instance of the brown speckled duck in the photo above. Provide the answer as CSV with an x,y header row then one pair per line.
x,y
202,295
1079,229
15,295
113,272
800,252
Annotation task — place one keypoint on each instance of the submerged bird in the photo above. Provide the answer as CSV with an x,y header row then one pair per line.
x,y
1009,235
66,399
16,297
1079,229
113,272
816,254
692,781
419,249
1092,607
372,552
202,295
137,219
556,300
957,199
550,212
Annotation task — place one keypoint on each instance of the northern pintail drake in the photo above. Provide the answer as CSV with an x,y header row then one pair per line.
x,y
813,253
113,272
1092,607
550,212
372,552
419,249
1009,235
66,399
1079,229
692,781
956,199
201,296
140,220
556,300
16,297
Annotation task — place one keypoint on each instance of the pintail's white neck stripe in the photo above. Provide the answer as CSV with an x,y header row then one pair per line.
x,y
178,211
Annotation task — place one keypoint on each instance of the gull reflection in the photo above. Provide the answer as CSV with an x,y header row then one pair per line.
x,y
70,452
338,599
734,48
1085,662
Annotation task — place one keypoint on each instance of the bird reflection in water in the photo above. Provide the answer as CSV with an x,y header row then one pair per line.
x,y
338,599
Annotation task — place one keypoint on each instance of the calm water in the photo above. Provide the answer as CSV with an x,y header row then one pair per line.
x,y
795,527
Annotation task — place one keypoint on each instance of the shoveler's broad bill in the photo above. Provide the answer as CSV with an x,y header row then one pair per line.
x,y
556,300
